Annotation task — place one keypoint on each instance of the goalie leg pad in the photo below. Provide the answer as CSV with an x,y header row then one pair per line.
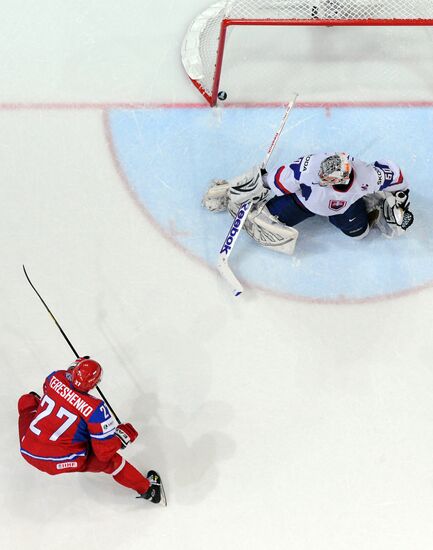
x,y
267,230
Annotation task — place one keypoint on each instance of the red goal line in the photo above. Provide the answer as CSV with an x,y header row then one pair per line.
x,y
135,105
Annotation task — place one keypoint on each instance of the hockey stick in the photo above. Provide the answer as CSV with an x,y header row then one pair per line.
x,y
238,223
67,340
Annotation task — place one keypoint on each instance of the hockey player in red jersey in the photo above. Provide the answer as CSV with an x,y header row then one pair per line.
x,y
69,430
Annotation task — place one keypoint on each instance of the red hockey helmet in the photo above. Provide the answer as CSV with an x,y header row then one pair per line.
x,y
86,373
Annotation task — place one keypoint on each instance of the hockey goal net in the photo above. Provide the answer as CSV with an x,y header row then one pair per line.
x,y
204,44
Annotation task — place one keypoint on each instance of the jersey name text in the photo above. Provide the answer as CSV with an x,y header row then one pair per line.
x,y
71,397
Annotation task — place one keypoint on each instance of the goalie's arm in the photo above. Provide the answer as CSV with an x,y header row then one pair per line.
x,y
283,181
258,185
389,176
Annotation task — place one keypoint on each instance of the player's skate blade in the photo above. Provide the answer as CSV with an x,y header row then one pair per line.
x,y
155,493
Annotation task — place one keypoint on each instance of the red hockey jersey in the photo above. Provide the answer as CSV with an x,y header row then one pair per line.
x,y
67,424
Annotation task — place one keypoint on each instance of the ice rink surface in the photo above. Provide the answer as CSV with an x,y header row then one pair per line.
x,y
299,416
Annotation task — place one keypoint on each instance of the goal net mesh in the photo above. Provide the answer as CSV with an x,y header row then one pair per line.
x,y
202,41
329,9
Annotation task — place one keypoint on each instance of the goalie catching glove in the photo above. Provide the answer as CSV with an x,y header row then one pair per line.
x,y
394,216
396,209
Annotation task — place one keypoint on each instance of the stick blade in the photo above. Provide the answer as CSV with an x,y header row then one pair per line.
x,y
227,274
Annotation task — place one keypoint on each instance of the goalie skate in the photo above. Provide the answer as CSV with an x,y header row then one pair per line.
x,y
156,492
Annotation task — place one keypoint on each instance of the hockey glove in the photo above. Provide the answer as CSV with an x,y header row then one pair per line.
x,y
126,433
28,402
402,198
396,210
250,187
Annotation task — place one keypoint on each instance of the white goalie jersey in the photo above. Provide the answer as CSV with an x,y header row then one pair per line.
x,y
301,178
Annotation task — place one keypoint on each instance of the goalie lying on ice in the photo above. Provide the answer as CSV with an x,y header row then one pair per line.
x,y
353,194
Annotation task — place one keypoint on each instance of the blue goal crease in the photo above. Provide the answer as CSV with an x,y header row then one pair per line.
x,y
169,157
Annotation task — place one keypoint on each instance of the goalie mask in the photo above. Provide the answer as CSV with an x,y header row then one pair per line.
x,y
86,373
335,170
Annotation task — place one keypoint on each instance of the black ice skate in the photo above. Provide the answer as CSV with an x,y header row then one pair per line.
x,y
155,493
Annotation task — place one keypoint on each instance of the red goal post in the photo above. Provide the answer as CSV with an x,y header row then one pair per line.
x,y
204,43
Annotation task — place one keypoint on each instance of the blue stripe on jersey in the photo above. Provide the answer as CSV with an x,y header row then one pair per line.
x,y
296,167
100,414
82,432
48,378
54,458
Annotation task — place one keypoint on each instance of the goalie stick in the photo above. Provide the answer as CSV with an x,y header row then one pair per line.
x,y
68,341
241,216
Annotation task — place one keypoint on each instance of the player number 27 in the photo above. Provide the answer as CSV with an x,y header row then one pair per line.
x,y
61,413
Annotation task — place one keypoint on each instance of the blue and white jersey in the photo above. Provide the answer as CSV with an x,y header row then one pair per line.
x,y
301,178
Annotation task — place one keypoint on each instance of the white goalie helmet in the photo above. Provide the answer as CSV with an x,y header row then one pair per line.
x,y
335,170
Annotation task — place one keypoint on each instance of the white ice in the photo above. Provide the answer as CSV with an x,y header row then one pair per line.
x,y
275,423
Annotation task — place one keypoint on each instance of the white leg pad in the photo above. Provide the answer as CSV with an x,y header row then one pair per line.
x,y
267,230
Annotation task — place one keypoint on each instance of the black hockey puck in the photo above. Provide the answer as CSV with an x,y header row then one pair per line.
x,y
222,95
